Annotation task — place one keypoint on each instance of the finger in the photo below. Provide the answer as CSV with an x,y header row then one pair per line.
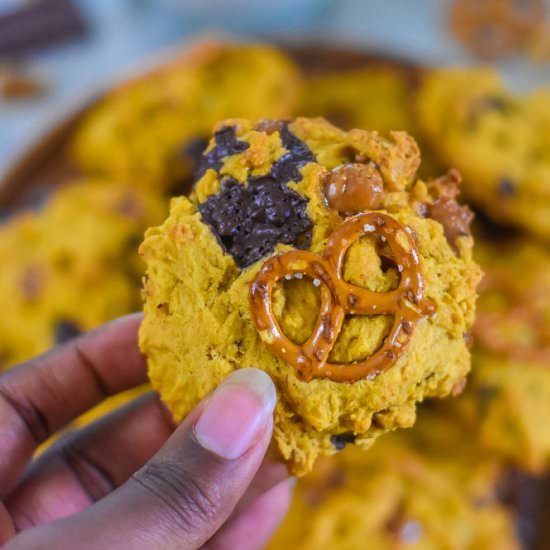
x,y
86,465
268,476
253,528
190,487
41,396
7,528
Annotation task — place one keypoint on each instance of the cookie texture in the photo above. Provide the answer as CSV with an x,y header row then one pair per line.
x,y
377,98
374,98
71,266
151,131
199,324
498,141
429,488
509,390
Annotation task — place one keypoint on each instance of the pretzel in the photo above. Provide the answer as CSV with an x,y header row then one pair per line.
x,y
406,303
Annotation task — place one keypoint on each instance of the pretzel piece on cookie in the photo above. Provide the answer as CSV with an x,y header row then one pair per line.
x,y
407,303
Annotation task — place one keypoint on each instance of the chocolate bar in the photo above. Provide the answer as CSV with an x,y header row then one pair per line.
x,y
39,24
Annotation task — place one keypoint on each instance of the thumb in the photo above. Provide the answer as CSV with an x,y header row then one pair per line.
x,y
185,493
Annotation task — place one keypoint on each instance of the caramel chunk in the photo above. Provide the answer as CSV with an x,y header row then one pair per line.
x,y
354,188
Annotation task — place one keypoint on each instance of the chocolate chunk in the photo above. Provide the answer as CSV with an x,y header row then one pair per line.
x,y
495,103
129,206
528,497
193,150
287,168
339,441
487,104
32,25
65,330
506,187
487,392
250,221
227,144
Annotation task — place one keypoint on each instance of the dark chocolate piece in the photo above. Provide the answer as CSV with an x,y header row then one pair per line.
x,y
339,441
65,330
487,104
227,144
39,24
250,221
287,168
193,150
506,187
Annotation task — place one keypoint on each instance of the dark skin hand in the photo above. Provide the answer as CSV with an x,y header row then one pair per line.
x,y
133,480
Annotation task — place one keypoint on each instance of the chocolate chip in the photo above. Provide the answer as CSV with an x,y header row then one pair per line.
x,y
250,221
487,104
227,144
495,103
506,187
130,207
339,441
487,393
193,150
65,330
287,168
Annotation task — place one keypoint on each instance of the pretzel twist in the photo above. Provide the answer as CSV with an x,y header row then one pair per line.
x,y
406,303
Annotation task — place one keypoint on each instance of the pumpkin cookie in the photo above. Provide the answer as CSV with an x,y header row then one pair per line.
x,y
71,266
509,388
152,130
499,142
317,255
409,491
377,98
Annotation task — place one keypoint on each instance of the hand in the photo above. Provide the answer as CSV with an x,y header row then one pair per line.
x,y
132,480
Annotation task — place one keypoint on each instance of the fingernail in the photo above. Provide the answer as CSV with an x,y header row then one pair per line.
x,y
236,413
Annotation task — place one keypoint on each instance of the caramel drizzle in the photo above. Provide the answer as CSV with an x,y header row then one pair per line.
x,y
406,303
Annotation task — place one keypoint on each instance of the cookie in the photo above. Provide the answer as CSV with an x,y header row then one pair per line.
x,y
499,142
509,388
373,98
380,98
407,492
152,130
71,266
317,255
494,28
